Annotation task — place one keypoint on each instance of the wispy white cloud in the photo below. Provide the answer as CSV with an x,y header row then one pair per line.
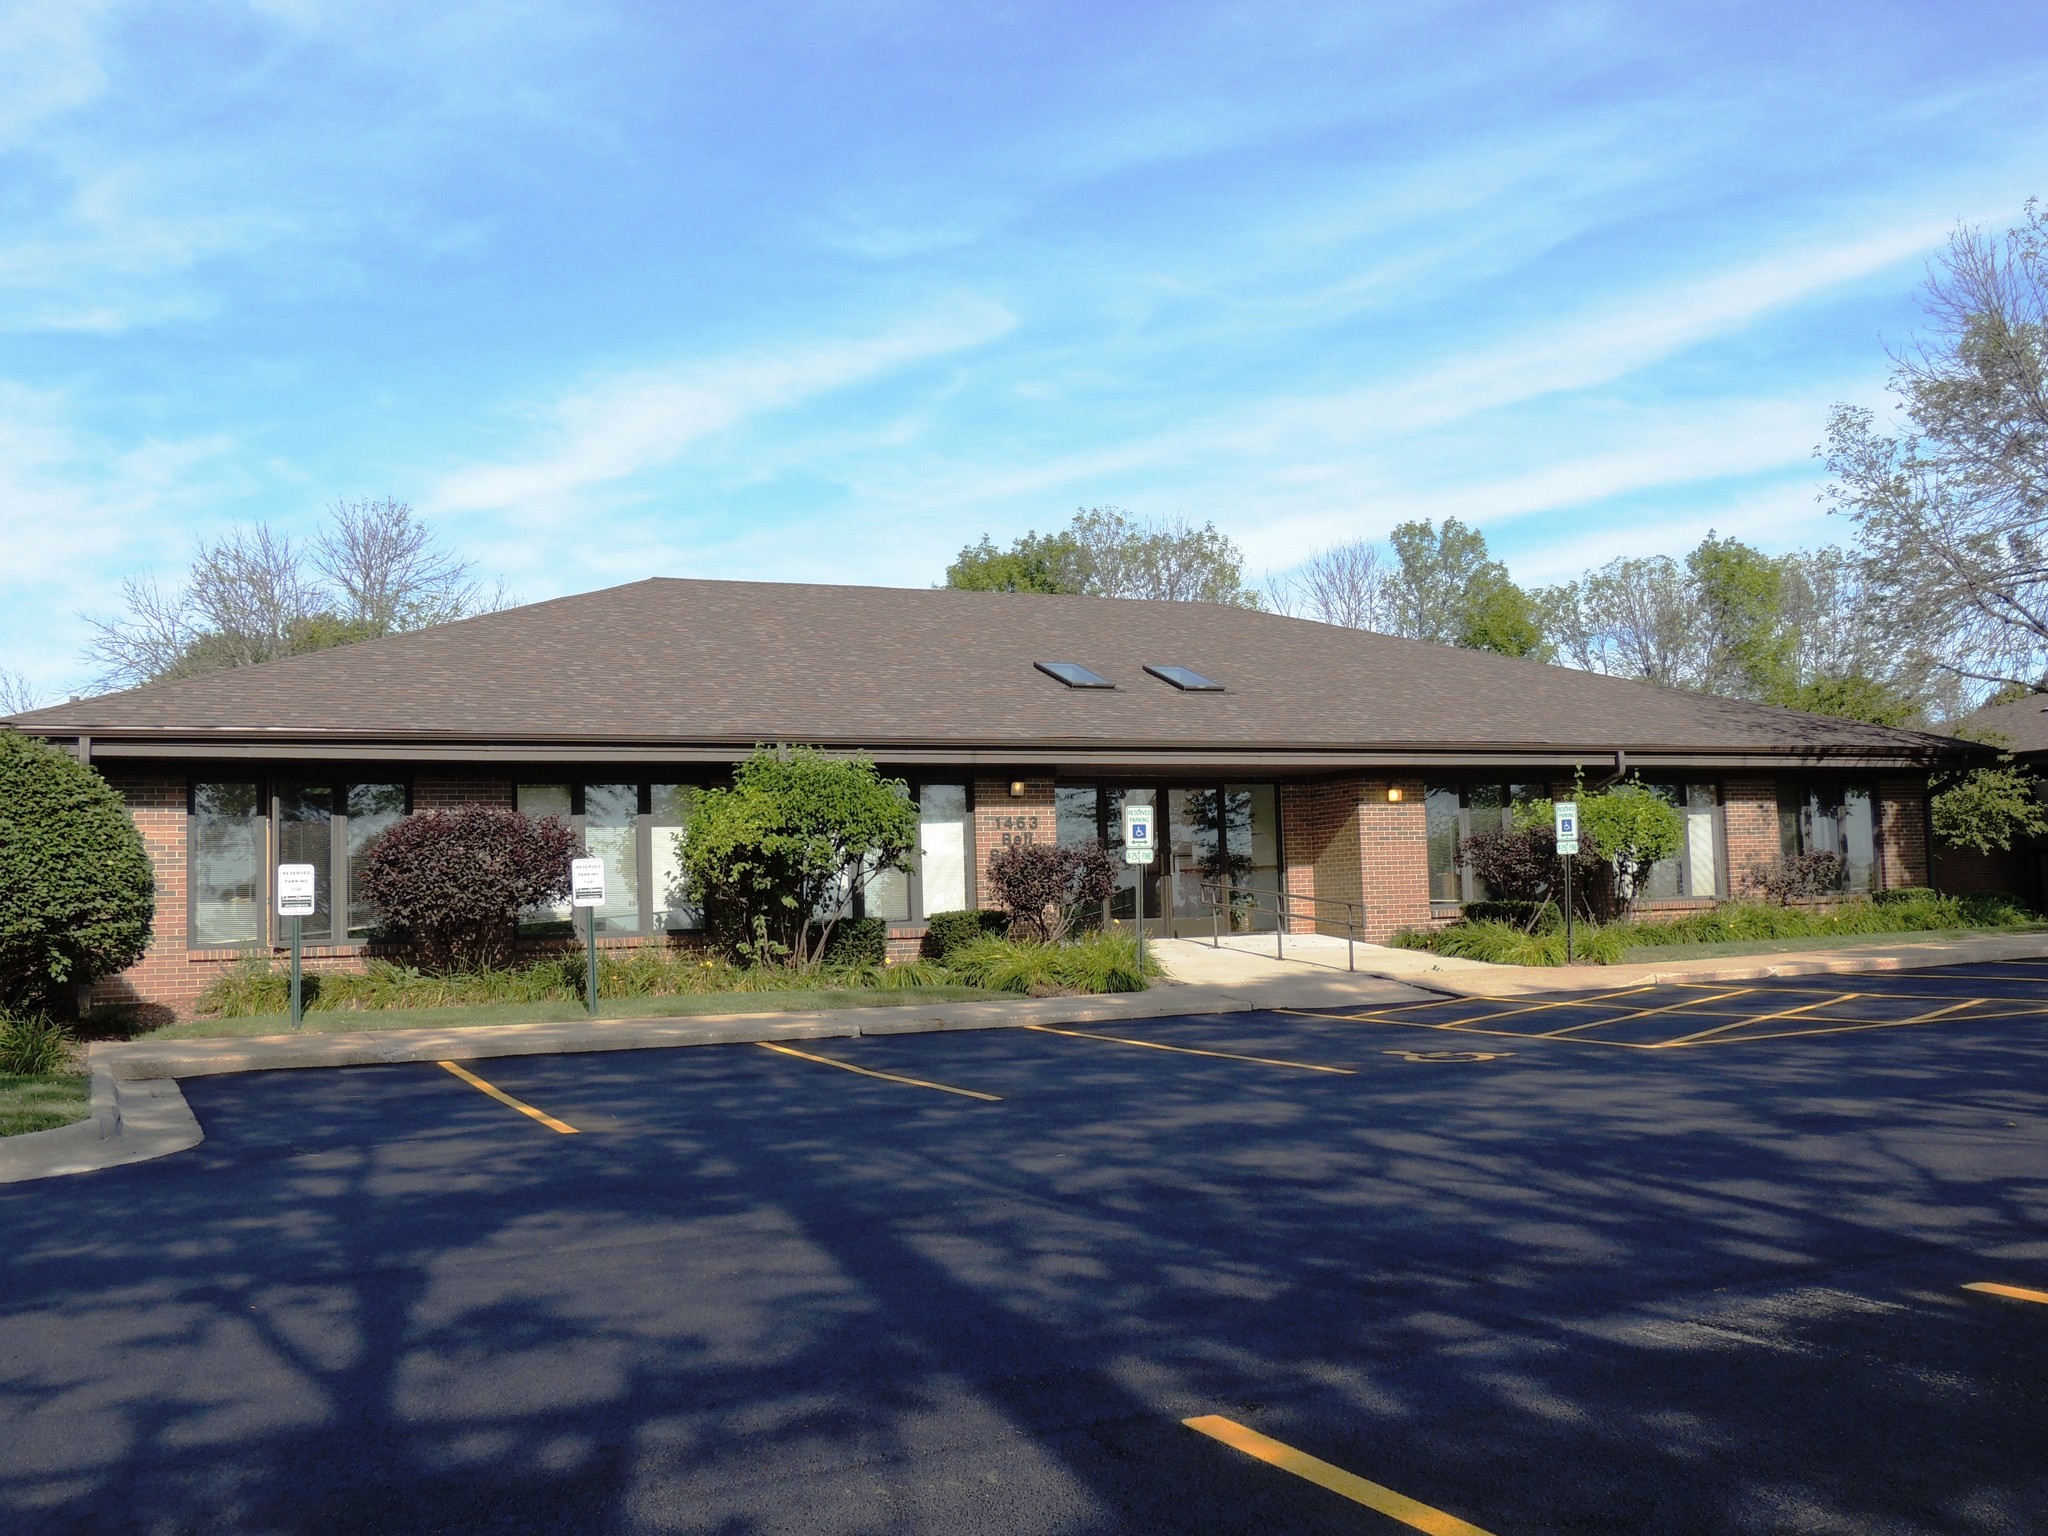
x,y
615,428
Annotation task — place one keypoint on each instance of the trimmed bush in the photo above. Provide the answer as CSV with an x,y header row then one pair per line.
x,y
947,931
76,891
1805,878
451,884
33,1047
800,831
858,941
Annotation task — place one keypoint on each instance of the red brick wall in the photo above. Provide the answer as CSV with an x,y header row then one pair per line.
x,y
1343,840
444,794
1000,820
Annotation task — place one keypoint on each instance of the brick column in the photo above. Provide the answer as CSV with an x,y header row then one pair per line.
x,y
1901,815
1749,813
1000,820
1344,840
164,975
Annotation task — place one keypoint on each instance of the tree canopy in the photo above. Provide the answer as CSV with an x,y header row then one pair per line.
x,y
1104,552
1951,505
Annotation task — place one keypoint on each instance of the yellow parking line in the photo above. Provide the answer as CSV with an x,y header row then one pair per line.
x,y
1189,1050
1374,1015
1375,1496
2015,1292
1756,1018
1454,1029
887,1077
503,1097
1642,1013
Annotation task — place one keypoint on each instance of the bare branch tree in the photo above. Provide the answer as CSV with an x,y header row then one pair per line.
x,y
1344,585
389,571
250,596
17,694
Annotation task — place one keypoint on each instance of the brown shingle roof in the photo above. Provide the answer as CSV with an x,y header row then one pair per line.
x,y
666,663
2021,726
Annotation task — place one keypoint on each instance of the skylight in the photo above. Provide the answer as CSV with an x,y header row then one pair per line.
x,y
1187,679
1073,674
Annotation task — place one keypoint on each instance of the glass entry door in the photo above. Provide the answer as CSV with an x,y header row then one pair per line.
x,y
1210,834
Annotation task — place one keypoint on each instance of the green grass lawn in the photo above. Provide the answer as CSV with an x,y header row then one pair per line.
x,y
42,1103
1643,953
341,1021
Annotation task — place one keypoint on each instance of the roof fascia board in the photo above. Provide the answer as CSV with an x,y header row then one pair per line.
x,y
1306,759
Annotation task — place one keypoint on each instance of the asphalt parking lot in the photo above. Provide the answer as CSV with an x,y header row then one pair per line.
x,y
1687,1259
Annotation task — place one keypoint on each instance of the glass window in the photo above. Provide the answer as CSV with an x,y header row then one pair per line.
x,y
1440,817
611,831
305,835
372,808
1074,810
538,801
1702,842
226,865
1831,818
673,910
1251,844
944,855
1195,835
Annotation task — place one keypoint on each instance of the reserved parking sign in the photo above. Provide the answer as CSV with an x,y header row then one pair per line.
x,y
1567,827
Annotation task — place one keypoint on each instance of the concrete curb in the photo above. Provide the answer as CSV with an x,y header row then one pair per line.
x,y
132,1120
150,1059
1529,981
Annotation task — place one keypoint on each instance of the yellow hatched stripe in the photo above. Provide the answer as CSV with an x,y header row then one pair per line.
x,y
1643,1013
887,1077
1758,1018
1410,1512
503,1097
1189,1050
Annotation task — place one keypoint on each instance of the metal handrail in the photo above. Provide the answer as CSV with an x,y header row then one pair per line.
x,y
1219,903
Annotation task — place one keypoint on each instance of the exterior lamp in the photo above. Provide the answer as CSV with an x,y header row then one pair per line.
x,y
1016,789
1393,794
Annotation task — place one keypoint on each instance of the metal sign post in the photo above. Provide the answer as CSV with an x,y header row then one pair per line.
x,y
1140,848
297,898
586,889
1567,848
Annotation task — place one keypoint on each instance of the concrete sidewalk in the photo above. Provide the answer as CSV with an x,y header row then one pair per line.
x,y
1247,961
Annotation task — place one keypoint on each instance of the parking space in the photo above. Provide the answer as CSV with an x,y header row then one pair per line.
x,y
1755,1257
1689,1015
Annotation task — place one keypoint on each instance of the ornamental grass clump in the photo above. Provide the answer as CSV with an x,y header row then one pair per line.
x,y
34,1047
451,884
1098,962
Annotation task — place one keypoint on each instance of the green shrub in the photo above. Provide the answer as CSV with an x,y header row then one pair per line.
x,y
858,941
1899,893
1100,962
76,891
33,1047
947,931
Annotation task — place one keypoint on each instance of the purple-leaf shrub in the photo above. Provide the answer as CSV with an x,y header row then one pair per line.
x,y
451,884
1044,886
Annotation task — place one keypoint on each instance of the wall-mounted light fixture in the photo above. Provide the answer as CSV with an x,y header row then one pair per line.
x,y
1393,794
1016,789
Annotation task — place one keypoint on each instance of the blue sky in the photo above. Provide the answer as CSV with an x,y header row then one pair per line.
x,y
823,292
